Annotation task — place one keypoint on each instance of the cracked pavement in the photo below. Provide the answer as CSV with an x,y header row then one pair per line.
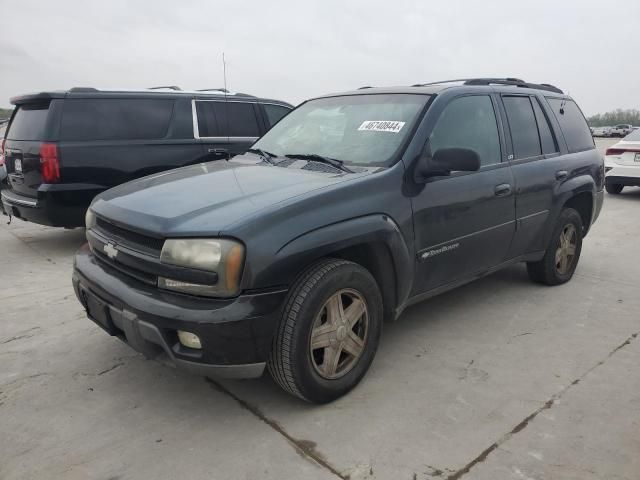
x,y
500,379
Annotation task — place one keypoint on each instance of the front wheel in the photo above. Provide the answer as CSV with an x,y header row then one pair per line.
x,y
613,188
561,257
329,331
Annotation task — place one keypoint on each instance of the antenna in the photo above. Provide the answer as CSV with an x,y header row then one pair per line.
x,y
226,103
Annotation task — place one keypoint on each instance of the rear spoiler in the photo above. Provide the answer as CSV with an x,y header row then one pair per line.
x,y
36,97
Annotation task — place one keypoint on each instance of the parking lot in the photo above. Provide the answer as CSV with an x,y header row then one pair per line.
x,y
499,379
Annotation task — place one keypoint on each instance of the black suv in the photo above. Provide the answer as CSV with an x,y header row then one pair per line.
x,y
63,148
351,208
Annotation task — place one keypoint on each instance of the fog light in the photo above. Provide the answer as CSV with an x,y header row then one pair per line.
x,y
189,339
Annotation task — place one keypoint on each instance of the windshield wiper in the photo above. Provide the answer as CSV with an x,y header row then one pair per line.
x,y
266,156
314,157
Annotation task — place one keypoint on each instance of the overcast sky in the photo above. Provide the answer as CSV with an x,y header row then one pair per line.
x,y
295,49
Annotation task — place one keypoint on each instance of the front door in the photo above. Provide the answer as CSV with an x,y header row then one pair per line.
x,y
464,223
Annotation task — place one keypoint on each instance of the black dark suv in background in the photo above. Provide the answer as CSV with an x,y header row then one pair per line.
x,y
64,148
351,208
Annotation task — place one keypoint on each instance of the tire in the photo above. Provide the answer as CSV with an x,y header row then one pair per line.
x,y
548,270
613,188
308,373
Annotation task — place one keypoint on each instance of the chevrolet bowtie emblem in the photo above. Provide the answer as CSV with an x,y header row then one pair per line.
x,y
110,250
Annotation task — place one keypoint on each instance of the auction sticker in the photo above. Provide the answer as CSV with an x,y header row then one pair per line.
x,y
381,126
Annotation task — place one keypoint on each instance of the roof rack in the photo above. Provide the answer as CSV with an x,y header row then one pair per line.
x,y
516,82
223,90
83,89
162,90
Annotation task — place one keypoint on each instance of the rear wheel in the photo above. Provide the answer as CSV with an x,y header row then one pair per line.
x,y
562,254
613,188
329,331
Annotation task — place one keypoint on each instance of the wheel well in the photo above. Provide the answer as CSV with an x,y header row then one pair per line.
x,y
376,258
583,204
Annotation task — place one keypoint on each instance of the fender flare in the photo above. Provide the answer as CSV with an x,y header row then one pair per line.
x,y
565,192
294,256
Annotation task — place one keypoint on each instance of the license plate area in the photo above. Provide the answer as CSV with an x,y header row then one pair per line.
x,y
17,166
98,311
636,158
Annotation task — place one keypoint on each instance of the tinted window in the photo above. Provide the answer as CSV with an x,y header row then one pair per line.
x,y
573,125
468,122
522,123
115,119
227,119
275,113
28,123
546,135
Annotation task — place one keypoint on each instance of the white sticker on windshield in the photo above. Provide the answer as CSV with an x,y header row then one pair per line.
x,y
381,126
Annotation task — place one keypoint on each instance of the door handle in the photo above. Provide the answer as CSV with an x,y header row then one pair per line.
x,y
502,190
561,174
218,151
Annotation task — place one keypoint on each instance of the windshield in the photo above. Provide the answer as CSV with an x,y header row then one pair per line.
x,y
357,129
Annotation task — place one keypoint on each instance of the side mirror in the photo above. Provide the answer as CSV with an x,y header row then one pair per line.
x,y
445,161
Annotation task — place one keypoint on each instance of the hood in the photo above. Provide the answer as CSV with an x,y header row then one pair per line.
x,y
207,197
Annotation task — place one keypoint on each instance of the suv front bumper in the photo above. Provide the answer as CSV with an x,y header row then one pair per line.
x,y
235,334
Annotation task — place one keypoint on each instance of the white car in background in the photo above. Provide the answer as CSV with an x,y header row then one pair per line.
x,y
601,131
622,164
621,130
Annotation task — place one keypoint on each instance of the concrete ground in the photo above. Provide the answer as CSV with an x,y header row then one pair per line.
x,y
500,379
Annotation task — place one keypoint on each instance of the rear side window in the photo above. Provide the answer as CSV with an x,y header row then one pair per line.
x,y
573,125
547,139
468,122
227,119
275,113
115,119
28,123
522,123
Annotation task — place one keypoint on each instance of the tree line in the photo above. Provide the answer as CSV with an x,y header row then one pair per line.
x,y
5,113
609,119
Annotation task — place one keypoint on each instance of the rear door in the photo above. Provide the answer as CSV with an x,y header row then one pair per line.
x,y
537,164
29,127
227,128
109,139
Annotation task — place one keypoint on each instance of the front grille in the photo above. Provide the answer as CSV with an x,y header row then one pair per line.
x,y
144,277
129,238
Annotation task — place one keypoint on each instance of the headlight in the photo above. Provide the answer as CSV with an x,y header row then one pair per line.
x,y
222,256
89,219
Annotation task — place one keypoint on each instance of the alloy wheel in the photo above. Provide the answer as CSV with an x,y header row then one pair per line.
x,y
339,334
566,250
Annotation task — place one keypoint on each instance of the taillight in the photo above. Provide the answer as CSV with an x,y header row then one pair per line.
x,y
620,151
614,151
2,152
49,164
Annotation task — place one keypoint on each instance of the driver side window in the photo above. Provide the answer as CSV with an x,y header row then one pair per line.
x,y
468,122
